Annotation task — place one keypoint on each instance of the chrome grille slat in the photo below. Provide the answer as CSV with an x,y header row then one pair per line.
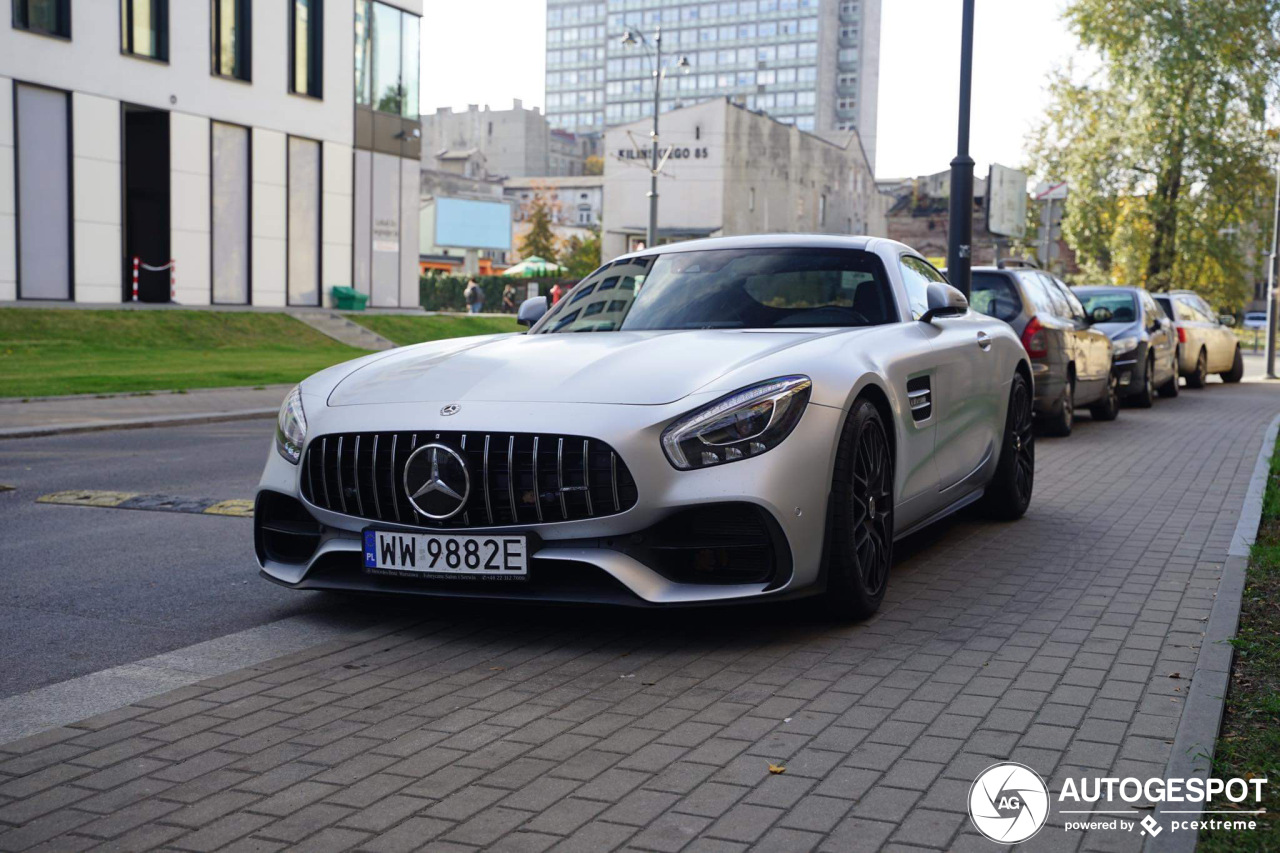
x,y
537,495
564,510
332,460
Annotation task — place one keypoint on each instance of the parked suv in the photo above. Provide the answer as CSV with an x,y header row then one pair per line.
x,y
1206,344
1072,362
1145,341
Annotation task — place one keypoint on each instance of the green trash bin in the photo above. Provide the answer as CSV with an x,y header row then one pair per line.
x,y
349,299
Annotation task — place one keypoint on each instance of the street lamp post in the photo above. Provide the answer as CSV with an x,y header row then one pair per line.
x,y
634,37
960,230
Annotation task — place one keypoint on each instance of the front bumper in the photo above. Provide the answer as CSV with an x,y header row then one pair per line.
x,y
605,559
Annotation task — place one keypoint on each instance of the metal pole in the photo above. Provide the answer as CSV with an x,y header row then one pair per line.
x,y
960,236
1271,283
657,108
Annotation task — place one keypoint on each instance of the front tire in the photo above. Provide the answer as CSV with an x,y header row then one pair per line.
x,y
1008,494
1108,408
1200,375
1170,388
1236,373
1147,397
860,518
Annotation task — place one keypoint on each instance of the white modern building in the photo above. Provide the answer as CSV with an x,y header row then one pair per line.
x,y
268,149
732,171
812,63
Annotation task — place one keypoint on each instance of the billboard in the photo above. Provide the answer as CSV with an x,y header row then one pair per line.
x,y
467,224
1006,201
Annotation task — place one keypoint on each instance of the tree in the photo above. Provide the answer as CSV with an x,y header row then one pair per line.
x,y
540,240
1164,146
594,165
581,257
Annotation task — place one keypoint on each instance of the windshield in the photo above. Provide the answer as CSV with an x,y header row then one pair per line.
x,y
994,295
728,289
1121,304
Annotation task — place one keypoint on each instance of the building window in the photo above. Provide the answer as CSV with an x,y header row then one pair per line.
x,y
230,200
231,38
43,143
47,17
304,222
822,211
751,199
306,40
144,26
387,47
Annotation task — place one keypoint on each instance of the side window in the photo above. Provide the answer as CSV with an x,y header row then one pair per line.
x,y
917,276
1038,291
1077,310
1187,311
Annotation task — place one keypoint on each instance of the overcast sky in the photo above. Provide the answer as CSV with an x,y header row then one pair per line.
x,y
490,51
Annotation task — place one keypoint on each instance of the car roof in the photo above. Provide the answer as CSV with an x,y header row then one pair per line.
x,y
1113,288
771,241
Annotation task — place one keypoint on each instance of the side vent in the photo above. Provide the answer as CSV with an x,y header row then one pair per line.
x,y
919,398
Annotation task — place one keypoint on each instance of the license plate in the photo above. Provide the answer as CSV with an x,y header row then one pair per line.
x,y
446,555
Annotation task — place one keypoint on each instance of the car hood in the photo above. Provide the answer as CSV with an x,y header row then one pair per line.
x,y
1119,330
639,368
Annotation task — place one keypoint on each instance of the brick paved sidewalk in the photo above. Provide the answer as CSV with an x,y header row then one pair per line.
x,y
1050,641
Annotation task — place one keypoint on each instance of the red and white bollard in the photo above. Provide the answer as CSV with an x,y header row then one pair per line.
x,y
173,280
136,262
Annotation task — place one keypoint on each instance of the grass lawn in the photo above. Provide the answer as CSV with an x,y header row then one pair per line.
x,y
65,351
407,329
1249,743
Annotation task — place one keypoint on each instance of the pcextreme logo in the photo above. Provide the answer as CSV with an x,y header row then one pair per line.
x,y
1009,803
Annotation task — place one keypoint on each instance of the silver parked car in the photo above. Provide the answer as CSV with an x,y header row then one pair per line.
x,y
713,421
1206,343
1072,361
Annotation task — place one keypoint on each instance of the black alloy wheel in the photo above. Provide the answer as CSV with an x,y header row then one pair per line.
x,y
1108,408
1008,494
1146,399
859,548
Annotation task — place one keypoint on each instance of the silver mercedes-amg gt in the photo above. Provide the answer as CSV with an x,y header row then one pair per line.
x,y
714,421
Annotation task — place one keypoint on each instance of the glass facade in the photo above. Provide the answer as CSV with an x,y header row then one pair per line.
x,y
387,56
763,53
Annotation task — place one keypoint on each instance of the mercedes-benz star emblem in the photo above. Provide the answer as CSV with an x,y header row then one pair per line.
x,y
451,409
437,481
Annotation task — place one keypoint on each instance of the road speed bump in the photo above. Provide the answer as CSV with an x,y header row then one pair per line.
x,y
235,508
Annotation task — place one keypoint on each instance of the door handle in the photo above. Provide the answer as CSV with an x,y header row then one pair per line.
x,y
984,342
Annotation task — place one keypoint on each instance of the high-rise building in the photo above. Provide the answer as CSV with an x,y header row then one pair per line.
x,y
812,63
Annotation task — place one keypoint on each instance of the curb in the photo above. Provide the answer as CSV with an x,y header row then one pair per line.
x,y
137,423
1193,744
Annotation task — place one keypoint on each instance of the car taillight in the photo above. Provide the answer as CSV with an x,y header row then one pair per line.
x,y
1182,335
1034,339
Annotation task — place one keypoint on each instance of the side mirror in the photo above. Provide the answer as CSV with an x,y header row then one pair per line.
x,y
1100,314
944,301
531,310
1227,319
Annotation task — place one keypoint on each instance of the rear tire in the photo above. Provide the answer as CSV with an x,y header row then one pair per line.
x,y
860,519
1063,418
1147,397
1236,373
1200,375
1108,409
1009,493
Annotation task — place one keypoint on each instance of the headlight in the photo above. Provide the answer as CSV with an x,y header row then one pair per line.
x,y
291,427
746,423
1123,345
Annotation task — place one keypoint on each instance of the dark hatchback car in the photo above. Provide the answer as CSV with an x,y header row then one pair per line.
x,y
1071,361
1145,341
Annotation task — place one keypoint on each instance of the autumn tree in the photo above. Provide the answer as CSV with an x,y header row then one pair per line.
x,y
1164,145
540,240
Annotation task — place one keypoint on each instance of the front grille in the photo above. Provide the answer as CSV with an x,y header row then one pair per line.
x,y
516,478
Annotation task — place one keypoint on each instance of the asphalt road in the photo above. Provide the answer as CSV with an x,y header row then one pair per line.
x,y
84,588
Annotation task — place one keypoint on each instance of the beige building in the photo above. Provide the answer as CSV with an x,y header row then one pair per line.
x,y
732,171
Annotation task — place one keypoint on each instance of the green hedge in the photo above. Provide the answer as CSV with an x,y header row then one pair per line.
x,y
444,292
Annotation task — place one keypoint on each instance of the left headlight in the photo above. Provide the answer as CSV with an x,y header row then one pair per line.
x,y
1124,345
746,423
291,427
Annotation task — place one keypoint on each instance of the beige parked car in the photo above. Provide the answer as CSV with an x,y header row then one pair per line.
x,y
1206,343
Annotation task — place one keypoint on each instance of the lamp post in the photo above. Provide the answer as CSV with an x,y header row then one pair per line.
x,y
632,37
960,230
1272,260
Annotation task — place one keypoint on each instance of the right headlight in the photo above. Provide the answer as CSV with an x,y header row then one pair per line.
x,y
291,427
743,424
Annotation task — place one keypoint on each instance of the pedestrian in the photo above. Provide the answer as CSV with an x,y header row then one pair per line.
x,y
509,298
474,297
556,292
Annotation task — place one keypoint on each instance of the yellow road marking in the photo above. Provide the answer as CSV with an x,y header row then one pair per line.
x,y
86,497
237,508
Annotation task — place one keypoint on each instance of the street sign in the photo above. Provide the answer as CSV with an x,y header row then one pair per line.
x,y
1006,201
1051,190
